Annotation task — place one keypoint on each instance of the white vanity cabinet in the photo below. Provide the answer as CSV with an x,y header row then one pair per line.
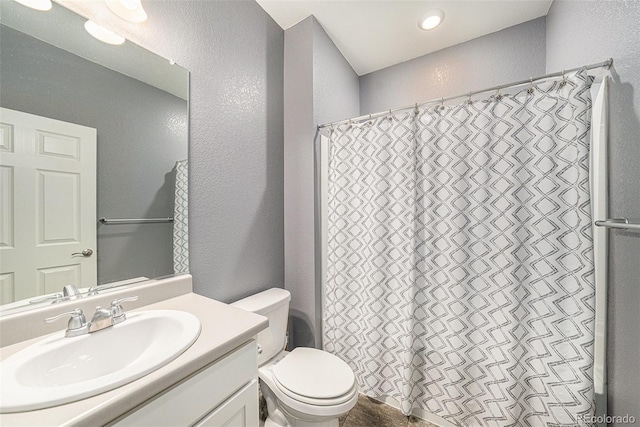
x,y
224,393
213,383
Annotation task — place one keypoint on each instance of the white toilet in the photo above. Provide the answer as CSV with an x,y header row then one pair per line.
x,y
305,387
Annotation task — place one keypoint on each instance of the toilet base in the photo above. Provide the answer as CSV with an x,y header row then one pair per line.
x,y
280,416
301,423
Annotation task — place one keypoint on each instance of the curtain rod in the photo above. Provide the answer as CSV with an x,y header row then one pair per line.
x,y
606,64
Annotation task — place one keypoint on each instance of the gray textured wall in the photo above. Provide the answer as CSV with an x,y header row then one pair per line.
x,y
580,35
141,134
234,52
298,182
508,55
320,86
336,90
336,96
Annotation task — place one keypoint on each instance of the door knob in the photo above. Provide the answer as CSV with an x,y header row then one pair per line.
x,y
86,252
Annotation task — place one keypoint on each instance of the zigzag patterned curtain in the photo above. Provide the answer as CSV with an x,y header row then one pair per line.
x,y
460,257
181,219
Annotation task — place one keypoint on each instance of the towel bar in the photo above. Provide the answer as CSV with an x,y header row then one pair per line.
x,y
620,223
135,220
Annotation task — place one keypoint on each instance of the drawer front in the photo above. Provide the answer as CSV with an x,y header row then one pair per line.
x,y
241,410
191,399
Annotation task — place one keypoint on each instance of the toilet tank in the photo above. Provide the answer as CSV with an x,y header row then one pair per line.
x,y
273,304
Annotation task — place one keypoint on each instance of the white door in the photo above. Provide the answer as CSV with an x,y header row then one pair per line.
x,y
47,205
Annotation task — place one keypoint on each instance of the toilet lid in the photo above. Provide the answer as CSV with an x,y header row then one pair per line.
x,y
314,373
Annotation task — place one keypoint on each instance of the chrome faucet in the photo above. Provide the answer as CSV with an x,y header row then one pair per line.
x,y
71,292
103,318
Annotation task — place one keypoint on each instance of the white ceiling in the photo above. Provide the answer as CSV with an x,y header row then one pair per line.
x,y
376,34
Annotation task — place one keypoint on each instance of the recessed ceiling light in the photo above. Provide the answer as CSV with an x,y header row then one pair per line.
x,y
42,5
129,10
102,33
431,20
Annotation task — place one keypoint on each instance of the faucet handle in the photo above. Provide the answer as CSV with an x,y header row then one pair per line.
x,y
117,303
56,297
116,309
77,322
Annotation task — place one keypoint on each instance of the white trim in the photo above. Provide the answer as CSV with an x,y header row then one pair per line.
x,y
599,199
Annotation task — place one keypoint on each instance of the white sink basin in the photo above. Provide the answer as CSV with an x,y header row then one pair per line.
x,y
59,370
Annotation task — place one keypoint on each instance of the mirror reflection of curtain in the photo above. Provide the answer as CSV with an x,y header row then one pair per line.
x,y
181,219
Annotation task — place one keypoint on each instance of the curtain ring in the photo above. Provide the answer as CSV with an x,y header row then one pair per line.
x,y
564,79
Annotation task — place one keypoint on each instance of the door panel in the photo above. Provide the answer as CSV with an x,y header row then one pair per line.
x,y
64,146
57,207
53,279
6,206
7,289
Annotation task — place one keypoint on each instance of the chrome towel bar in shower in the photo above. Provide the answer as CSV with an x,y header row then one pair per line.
x,y
135,220
621,223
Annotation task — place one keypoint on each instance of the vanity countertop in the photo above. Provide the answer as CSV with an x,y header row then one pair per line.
x,y
224,328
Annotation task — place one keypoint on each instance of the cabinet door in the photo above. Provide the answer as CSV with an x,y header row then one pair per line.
x,y
195,397
241,410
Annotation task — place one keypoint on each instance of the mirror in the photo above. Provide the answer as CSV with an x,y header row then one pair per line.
x,y
88,131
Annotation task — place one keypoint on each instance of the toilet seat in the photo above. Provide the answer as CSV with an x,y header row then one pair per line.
x,y
313,401
312,375
298,403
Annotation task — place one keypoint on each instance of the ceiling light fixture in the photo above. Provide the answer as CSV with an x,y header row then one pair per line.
x,y
42,5
129,10
103,34
431,20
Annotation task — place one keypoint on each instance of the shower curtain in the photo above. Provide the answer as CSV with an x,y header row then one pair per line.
x,y
181,219
460,274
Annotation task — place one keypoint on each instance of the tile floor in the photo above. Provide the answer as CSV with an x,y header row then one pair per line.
x,y
371,413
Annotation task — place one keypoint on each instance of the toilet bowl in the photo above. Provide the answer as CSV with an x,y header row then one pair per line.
x,y
305,387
